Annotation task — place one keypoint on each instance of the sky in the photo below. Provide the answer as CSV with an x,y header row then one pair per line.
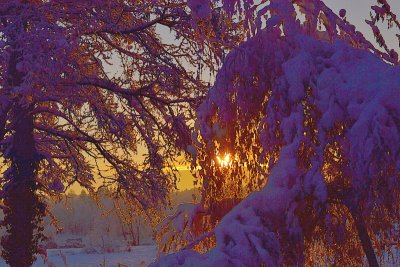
x,y
358,10
356,13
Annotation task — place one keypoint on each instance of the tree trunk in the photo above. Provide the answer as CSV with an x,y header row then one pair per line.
x,y
23,207
138,231
364,237
23,213
133,234
124,232
23,210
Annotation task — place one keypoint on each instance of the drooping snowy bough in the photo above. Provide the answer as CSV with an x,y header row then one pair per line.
x,y
328,125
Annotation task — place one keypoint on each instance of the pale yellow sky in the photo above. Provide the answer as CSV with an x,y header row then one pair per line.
x,y
185,181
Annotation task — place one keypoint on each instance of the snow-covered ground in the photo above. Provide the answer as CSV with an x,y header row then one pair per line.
x,y
78,258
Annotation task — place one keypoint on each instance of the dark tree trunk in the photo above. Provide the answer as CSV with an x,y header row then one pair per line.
x,y
23,212
365,239
124,232
133,234
138,231
362,232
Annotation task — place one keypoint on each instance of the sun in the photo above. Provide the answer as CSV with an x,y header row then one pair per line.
x,y
224,161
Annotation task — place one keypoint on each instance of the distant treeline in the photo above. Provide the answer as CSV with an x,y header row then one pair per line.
x,y
100,223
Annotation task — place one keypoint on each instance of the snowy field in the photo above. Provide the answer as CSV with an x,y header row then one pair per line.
x,y
138,256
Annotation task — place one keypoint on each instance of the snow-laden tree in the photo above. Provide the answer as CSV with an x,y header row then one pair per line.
x,y
308,110
83,86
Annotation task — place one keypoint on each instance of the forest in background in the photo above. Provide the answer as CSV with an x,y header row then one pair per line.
x,y
79,220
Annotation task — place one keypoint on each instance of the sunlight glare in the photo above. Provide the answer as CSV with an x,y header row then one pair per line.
x,y
225,161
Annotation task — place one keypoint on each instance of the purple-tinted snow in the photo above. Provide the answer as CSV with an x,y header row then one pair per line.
x,y
349,85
